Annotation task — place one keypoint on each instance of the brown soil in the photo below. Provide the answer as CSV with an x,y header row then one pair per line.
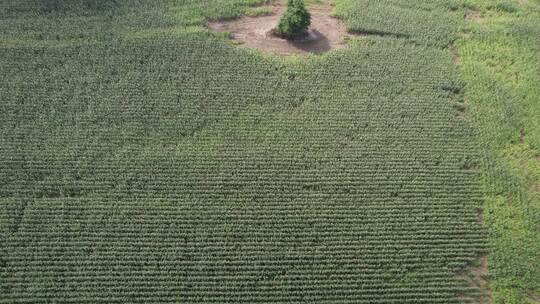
x,y
473,15
480,216
324,34
476,277
455,56
534,297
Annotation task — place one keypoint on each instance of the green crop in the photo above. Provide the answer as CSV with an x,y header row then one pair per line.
x,y
145,159
501,70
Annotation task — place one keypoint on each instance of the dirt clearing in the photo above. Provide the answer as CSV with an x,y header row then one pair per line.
x,y
324,34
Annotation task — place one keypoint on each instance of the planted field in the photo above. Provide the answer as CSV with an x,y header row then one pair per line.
x,y
146,159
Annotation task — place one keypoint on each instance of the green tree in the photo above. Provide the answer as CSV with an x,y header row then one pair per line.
x,y
295,20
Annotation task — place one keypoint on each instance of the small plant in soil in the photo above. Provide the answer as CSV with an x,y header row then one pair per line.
x,y
294,21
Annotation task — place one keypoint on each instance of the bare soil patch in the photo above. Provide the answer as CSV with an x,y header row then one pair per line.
x,y
324,34
476,277
456,59
480,217
473,15
534,297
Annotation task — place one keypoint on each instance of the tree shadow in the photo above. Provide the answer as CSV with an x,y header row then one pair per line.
x,y
315,42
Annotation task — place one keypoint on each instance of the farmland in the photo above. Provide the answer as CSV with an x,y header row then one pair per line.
x,y
146,159
501,68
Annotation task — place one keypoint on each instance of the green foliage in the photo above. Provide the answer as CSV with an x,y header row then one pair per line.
x,y
500,69
134,177
432,23
295,20
146,160
259,11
